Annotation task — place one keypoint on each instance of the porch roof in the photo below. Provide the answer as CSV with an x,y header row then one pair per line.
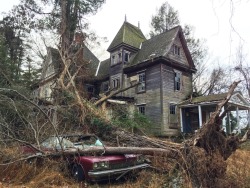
x,y
236,100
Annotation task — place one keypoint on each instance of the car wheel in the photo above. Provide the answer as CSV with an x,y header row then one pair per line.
x,y
78,173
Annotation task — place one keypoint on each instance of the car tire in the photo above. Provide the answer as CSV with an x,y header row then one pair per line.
x,y
78,173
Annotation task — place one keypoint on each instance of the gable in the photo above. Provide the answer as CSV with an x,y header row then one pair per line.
x,y
177,47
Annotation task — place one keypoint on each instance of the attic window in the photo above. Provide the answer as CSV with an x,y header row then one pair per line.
x,y
176,50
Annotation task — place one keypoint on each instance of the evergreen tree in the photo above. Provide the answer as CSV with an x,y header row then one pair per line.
x,y
166,18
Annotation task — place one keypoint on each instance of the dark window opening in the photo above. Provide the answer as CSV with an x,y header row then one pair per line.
x,y
126,57
105,86
177,81
116,83
90,89
142,109
172,109
176,50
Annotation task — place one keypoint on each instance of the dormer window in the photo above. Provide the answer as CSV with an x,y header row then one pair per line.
x,y
113,60
126,57
176,50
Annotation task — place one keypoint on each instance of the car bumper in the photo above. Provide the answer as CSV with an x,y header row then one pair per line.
x,y
113,173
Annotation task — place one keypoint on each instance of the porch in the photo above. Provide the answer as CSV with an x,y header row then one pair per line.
x,y
193,114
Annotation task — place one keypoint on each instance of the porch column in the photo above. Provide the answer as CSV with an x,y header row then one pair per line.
x,y
248,117
238,118
181,120
224,119
200,116
228,124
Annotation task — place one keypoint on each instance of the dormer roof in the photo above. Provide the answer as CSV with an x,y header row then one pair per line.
x,y
129,35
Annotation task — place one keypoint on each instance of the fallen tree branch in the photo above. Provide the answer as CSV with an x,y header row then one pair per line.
x,y
115,93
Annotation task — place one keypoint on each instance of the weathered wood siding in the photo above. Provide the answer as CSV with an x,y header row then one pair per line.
x,y
151,97
180,58
170,95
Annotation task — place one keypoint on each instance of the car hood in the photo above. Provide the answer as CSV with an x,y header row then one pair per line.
x,y
108,158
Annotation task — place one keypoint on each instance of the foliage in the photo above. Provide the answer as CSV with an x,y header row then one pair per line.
x,y
165,19
133,121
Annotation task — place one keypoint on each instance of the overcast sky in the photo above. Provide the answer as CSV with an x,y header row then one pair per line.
x,y
222,23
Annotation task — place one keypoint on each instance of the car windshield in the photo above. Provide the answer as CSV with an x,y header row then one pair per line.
x,y
87,141
53,142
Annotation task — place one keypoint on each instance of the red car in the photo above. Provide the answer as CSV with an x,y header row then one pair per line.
x,y
92,168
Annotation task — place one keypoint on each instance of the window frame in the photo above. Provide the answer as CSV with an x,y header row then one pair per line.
x,y
177,80
142,80
126,56
115,81
142,108
176,50
172,108
105,86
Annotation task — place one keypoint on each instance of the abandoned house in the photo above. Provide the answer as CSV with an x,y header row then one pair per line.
x,y
162,65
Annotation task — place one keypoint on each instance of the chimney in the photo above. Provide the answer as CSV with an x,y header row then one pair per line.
x,y
139,25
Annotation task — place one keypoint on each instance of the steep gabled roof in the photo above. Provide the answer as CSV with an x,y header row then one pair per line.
x,y
103,70
128,35
159,46
54,56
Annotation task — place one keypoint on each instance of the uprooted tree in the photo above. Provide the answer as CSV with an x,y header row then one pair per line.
x,y
204,154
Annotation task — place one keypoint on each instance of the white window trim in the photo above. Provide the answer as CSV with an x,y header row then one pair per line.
x,y
180,73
